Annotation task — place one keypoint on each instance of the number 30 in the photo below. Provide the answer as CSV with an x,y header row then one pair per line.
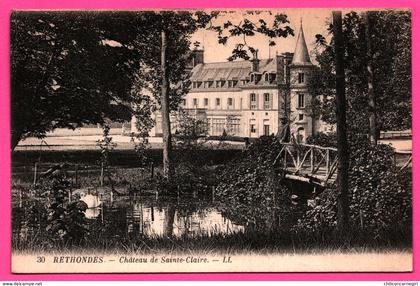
x,y
40,259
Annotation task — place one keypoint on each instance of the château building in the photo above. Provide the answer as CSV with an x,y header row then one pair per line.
x,y
250,98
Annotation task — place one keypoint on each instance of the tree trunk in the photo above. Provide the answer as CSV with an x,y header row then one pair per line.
x,y
16,136
342,146
166,123
371,93
169,221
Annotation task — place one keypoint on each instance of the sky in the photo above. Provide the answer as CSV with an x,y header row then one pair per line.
x,y
314,21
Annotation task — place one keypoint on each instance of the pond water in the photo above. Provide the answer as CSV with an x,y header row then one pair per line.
x,y
148,216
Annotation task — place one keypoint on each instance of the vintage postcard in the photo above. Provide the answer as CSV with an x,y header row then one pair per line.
x,y
243,140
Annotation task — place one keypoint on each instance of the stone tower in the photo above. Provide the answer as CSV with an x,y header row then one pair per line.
x,y
301,69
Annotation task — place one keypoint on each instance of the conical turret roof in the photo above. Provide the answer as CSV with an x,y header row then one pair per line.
x,y
301,55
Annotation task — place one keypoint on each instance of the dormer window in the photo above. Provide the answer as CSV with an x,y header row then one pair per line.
x,y
266,77
255,78
272,77
220,83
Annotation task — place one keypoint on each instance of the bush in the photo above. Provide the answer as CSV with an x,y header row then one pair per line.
x,y
252,191
66,222
323,139
379,197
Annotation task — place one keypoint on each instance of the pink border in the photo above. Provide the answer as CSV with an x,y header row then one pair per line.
x,y
7,5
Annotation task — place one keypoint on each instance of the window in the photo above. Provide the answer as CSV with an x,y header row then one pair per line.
x,y
217,101
301,100
195,101
301,77
266,77
253,101
184,102
198,83
267,101
273,77
232,125
301,117
206,101
218,126
209,83
300,138
232,83
230,101
252,128
266,130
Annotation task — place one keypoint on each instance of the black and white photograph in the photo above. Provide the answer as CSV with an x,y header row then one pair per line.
x,y
230,140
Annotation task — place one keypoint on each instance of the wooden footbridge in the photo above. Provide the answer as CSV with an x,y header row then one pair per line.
x,y
317,165
308,163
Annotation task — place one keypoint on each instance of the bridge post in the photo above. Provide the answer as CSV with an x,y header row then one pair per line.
x,y
285,159
327,162
312,160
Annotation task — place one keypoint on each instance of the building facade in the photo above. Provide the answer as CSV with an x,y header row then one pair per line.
x,y
250,98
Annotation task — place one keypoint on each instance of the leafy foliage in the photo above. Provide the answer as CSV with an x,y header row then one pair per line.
x,y
189,142
67,69
391,49
251,25
323,139
380,196
66,222
253,192
106,145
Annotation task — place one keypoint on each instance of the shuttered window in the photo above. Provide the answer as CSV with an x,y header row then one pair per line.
x,y
252,101
267,101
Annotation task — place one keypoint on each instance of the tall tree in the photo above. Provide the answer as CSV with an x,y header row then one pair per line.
x,y
370,89
66,71
166,123
390,39
342,146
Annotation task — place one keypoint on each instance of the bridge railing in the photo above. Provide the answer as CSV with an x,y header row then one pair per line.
x,y
308,160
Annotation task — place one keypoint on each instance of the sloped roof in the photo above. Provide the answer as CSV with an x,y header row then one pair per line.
x,y
301,55
235,70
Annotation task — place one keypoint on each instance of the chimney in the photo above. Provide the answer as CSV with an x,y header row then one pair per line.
x,y
198,56
255,61
280,63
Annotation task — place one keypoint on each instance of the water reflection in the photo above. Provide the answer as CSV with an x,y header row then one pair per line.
x,y
93,203
148,217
